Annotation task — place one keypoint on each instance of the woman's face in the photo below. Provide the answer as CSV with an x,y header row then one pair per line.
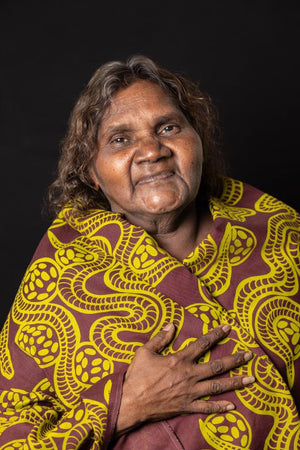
x,y
149,160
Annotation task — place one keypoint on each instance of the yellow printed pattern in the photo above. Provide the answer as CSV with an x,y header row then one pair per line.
x,y
266,311
78,333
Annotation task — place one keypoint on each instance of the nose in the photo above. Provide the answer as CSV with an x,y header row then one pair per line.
x,y
150,149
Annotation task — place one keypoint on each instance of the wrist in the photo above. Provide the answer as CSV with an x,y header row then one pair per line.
x,y
131,412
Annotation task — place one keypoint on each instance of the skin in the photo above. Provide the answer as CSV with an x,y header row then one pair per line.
x,y
159,387
149,166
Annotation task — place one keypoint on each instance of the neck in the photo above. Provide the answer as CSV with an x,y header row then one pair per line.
x,y
179,234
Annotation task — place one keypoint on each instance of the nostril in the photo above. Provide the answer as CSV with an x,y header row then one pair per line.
x,y
151,151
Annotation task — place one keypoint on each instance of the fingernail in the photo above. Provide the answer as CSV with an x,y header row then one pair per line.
x,y
248,356
230,407
226,328
248,380
168,327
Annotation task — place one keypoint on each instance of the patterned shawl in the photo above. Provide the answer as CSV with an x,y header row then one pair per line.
x,y
98,288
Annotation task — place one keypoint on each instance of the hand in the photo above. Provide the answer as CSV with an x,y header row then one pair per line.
x,y
159,387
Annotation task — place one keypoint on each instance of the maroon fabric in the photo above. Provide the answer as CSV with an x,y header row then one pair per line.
x,y
98,288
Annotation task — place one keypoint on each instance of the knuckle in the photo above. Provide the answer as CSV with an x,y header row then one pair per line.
x,y
140,350
216,366
160,336
172,360
207,409
216,387
204,343
216,407
238,358
211,407
217,333
236,383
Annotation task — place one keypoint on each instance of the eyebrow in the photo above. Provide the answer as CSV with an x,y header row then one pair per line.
x,y
169,118
119,128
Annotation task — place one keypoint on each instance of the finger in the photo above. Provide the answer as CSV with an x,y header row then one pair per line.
x,y
204,343
222,365
209,407
161,339
217,386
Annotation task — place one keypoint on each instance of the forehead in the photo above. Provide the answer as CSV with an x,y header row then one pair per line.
x,y
140,97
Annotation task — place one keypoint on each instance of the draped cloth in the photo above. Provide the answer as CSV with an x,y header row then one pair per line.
x,y
98,288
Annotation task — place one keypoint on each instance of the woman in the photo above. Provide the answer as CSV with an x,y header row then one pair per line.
x,y
160,308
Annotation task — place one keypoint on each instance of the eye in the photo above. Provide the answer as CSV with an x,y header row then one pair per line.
x,y
119,141
169,129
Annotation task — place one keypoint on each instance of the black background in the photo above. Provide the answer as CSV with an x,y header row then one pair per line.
x,y
245,53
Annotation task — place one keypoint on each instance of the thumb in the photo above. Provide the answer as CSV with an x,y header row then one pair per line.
x,y
161,339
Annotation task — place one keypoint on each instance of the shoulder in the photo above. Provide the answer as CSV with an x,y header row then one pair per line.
x,y
243,195
242,202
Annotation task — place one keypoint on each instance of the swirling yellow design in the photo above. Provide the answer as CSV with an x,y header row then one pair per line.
x,y
208,314
202,257
268,204
266,312
236,246
16,444
49,332
280,282
87,224
269,397
278,324
40,342
217,277
232,191
52,425
40,281
143,311
20,406
134,247
243,242
144,255
6,366
147,255
77,424
219,209
89,366
225,207
95,298
244,339
229,431
58,322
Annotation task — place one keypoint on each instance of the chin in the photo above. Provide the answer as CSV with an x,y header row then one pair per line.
x,y
164,208
160,204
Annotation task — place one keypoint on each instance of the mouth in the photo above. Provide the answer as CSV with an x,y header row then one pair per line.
x,y
155,177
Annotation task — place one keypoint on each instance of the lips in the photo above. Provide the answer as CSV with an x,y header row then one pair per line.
x,y
152,178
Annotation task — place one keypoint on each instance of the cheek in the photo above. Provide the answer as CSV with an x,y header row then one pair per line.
x,y
111,173
193,166
193,160
198,158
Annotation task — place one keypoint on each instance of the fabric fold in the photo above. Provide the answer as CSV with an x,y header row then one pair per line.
x,y
98,288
